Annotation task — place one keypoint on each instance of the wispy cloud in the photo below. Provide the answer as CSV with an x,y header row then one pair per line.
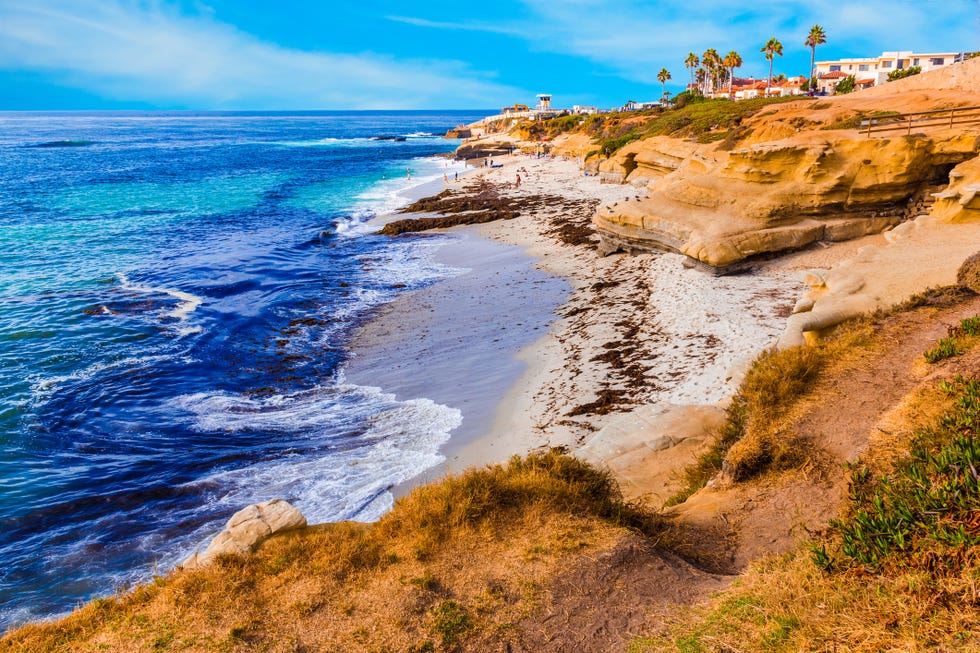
x,y
154,52
634,38
466,26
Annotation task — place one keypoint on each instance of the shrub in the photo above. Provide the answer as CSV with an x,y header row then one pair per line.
x,y
923,513
903,73
846,85
450,620
945,348
971,325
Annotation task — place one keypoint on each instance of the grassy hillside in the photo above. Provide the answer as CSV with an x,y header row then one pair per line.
x,y
692,117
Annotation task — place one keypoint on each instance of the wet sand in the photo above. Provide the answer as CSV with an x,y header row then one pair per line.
x,y
456,342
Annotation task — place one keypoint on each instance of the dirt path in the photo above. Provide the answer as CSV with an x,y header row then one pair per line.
x,y
737,523
602,602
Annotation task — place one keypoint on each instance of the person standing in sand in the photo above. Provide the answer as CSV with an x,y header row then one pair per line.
x,y
445,179
517,184
408,171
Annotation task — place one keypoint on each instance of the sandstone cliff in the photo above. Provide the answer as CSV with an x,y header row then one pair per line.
x,y
783,180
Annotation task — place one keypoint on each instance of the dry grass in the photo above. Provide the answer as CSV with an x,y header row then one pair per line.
x,y
900,571
922,595
454,562
789,604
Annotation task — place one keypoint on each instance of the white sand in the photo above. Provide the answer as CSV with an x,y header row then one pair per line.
x,y
693,330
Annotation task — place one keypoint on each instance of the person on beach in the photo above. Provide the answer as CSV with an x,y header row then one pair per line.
x,y
518,183
408,172
445,179
455,176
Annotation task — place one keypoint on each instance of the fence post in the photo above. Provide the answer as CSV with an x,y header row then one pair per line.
x,y
910,126
869,126
952,112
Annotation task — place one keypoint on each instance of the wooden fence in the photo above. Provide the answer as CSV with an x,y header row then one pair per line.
x,y
922,120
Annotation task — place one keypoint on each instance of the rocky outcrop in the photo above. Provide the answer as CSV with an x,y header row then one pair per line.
x,y
932,250
248,528
968,275
647,160
488,147
722,208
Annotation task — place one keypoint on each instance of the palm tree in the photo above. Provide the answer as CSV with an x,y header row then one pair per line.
x,y
732,61
771,48
701,76
663,76
691,63
816,37
711,61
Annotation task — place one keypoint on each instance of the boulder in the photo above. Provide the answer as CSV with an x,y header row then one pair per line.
x,y
248,528
968,275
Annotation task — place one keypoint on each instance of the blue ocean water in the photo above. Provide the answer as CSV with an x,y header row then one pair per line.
x,y
176,292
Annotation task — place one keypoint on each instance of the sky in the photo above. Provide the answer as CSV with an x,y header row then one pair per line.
x,y
405,54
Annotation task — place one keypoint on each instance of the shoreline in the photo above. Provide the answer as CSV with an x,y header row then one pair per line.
x,y
643,329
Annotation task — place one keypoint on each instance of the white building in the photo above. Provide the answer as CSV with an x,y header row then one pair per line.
x,y
872,71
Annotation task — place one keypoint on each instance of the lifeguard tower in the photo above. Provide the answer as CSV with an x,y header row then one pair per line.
x,y
544,102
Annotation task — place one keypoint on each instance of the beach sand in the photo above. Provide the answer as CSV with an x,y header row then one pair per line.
x,y
625,331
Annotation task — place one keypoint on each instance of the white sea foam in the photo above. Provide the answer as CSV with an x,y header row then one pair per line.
x,y
388,195
188,303
348,473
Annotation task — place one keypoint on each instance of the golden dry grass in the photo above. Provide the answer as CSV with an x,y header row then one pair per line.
x,y
458,560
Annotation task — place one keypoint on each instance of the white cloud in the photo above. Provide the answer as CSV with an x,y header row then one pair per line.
x,y
151,52
635,38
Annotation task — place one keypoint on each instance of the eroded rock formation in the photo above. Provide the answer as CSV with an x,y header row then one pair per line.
x,y
721,208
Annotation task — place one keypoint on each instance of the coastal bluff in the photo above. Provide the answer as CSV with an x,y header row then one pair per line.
x,y
799,173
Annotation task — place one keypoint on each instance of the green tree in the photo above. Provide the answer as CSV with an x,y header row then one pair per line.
x,y
691,63
816,37
732,61
663,76
771,48
712,62
845,85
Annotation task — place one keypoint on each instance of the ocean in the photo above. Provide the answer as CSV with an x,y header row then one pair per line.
x,y
177,295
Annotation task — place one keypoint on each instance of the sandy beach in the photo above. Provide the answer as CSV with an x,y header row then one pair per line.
x,y
543,343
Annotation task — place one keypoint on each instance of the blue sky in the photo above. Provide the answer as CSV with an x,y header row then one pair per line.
x,y
385,54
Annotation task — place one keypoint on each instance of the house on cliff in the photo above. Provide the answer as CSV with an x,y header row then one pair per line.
x,y
872,71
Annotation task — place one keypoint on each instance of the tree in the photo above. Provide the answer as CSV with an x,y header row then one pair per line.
x,y
663,76
732,61
816,37
845,85
711,61
691,63
701,76
771,48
